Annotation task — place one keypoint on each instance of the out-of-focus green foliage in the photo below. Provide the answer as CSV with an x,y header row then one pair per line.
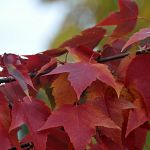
x,y
83,14
144,7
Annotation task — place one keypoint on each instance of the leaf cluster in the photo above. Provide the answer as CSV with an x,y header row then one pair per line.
x,y
84,103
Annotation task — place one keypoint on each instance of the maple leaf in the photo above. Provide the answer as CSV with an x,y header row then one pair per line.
x,y
89,37
137,77
11,91
8,139
83,53
81,75
114,135
63,94
137,116
35,62
138,36
111,50
18,71
34,114
107,101
47,67
96,91
54,52
125,19
123,66
56,136
79,122
136,140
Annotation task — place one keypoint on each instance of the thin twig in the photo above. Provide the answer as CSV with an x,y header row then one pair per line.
x,y
121,55
11,79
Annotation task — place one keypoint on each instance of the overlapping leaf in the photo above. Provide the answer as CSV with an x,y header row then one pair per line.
x,y
137,116
89,37
33,114
138,36
92,109
15,68
56,136
107,101
123,66
136,140
125,19
111,50
8,139
65,93
81,75
79,122
35,62
83,53
138,77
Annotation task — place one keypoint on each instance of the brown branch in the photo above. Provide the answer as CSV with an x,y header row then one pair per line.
x,y
121,55
11,79
99,60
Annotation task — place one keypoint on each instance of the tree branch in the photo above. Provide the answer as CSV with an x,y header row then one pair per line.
x,y
11,79
121,55
99,60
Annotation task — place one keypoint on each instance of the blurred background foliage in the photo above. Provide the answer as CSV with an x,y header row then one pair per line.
x,y
85,13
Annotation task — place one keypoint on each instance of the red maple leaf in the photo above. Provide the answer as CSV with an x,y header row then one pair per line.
x,y
136,140
111,50
65,93
83,53
89,37
7,139
79,122
81,75
107,101
16,68
32,113
125,19
138,77
138,36
137,116
34,62
57,140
